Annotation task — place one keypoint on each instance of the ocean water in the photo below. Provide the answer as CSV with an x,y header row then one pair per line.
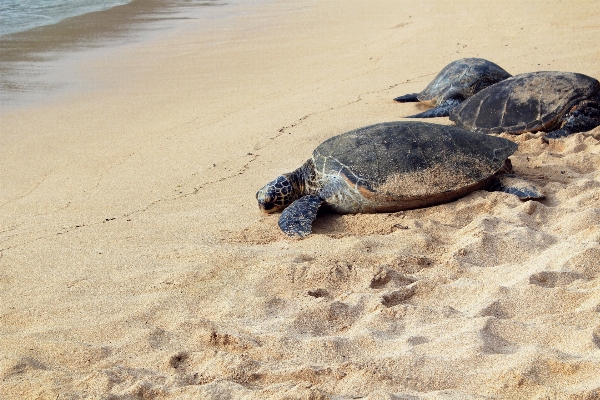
x,y
41,41
22,15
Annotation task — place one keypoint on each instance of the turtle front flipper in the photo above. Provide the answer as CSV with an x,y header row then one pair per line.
x,y
407,98
521,188
443,110
296,220
583,118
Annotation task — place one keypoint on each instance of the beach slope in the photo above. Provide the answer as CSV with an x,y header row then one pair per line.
x,y
135,264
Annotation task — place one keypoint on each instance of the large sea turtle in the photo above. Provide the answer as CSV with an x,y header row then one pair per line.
x,y
390,167
560,103
458,81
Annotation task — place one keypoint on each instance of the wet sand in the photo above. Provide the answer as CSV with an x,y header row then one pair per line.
x,y
37,63
134,262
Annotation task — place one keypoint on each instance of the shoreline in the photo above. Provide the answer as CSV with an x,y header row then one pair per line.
x,y
23,17
32,62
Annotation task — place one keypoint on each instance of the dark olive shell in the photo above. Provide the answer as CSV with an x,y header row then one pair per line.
x,y
528,102
461,79
411,160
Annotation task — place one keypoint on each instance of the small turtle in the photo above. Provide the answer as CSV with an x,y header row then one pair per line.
x,y
390,167
458,81
560,103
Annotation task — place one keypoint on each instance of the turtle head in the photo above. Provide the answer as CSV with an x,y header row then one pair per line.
x,y
277,194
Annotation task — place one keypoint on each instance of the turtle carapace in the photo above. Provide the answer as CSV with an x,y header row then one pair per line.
x,y
456,82
560,103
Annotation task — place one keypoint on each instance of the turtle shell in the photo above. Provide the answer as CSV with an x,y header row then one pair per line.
x,y
461,79
401,165
528,102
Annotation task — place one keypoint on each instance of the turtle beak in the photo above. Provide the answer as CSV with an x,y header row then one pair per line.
x,y
263,202
265,207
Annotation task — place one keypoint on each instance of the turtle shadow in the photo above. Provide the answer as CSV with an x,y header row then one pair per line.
x,y
333,224
329,222
266,230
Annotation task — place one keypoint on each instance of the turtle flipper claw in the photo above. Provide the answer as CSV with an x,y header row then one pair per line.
x,y
584,118
296,220
557,134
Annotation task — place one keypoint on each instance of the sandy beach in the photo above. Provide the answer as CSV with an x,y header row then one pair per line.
x,y
135,264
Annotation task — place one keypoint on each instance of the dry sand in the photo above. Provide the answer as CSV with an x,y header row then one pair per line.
x,y
134,263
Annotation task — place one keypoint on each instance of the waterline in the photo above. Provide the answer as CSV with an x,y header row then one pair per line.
x,y
18,15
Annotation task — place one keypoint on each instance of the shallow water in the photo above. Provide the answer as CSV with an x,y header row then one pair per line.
x,y
19,16
33,56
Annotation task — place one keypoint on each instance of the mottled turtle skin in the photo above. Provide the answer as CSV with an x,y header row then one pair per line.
x,y
458,81
390,167
560,103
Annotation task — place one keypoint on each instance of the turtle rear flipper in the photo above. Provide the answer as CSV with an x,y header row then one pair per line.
x,y
407,98
521,188
296,220
583,118
443,110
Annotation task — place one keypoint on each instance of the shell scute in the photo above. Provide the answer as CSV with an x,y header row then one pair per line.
x,y
403,160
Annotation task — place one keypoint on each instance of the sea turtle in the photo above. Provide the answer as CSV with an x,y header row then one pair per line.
x,y
390,167
560,103
458,81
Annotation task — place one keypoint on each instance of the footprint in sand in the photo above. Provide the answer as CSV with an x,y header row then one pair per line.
x,y
17,366
318,293
550,279
493,340
417,340
178,360
596,336
386,277
398,296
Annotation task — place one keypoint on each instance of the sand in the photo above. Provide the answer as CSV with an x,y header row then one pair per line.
x,y
134,263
